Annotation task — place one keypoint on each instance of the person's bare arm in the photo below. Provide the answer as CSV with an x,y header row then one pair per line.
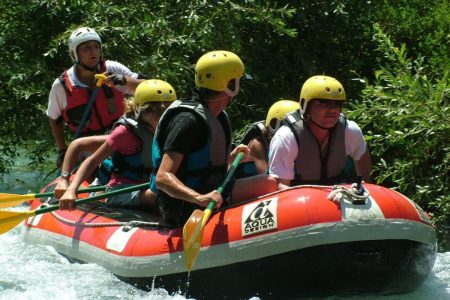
x,y
85,144
132,83
57,127
363,166
283,183
84,171
258,151
76,147
167,182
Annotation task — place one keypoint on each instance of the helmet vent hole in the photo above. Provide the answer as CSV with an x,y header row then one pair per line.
x,y
327,89
340,90
160,92
208,75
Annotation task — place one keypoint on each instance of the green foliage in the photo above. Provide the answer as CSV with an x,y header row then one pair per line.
x,y
406,118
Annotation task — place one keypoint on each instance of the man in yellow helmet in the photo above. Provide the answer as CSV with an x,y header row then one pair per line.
x,y
258,138
317,140
192,144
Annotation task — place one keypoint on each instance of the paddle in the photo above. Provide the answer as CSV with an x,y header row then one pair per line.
x,y
8,200
195,226
87,110
9,219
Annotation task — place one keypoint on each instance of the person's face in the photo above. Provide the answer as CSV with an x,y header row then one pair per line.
x,y
221,101
89,53
325,112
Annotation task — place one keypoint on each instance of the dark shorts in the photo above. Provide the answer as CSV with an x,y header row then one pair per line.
x,y
176,212
130,199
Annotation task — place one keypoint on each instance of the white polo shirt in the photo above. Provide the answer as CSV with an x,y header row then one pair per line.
x,y
57,99
284,149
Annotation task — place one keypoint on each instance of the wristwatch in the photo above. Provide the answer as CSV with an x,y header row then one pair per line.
x,y
65,175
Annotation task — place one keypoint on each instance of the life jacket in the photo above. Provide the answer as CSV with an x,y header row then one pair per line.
x,y
255,131
105,170
107,108
137,166
199,170
311,166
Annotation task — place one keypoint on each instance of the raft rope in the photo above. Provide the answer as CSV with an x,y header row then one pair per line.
x,y
338,191
356,194
129,224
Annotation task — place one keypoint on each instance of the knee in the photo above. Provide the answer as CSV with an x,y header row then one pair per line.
x,y
148,198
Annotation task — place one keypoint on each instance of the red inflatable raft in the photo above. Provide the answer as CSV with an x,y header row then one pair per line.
x,y
291,243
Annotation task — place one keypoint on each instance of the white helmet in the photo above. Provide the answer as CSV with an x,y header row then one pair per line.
x,y
79,36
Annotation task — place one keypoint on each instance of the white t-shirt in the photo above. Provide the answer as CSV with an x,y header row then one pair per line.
x,y
57,99
284,149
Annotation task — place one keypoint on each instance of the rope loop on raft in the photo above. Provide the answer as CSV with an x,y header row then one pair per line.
x,y
127,225
356,194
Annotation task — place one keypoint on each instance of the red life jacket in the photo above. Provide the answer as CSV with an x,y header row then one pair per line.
x,y
107,109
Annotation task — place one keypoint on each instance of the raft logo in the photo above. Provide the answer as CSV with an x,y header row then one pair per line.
x,y
260,217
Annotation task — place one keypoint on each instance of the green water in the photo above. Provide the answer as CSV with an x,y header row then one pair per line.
x,y
24,179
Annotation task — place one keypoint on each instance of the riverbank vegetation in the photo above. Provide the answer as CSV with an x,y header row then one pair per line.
x,y
392,57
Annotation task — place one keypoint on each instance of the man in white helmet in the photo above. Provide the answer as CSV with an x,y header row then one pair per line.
x,y
71,92
317,141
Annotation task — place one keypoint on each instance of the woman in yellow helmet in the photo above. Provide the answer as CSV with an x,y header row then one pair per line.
x,y
315,144
258,138
130,146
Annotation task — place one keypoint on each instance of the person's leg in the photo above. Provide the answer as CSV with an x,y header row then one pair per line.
x,y
148,201
128,200
252,187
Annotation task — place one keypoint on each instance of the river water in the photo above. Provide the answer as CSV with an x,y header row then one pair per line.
x,y
39,273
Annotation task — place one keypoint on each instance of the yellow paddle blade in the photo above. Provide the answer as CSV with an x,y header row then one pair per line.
x,y
192,240
193,235
10,219
192,253
8,200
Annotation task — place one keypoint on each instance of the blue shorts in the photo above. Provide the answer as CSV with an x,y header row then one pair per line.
x,y
130,199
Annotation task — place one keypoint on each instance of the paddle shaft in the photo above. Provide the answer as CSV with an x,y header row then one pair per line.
x,y
9,219
227,178
96,197
207,212
8,200
194,227
85,190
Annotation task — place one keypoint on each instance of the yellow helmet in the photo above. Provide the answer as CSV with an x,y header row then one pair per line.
x,y
153,90
277,112
321,87
215,69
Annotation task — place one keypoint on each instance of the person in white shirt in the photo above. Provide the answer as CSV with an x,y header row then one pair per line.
x,y
315,143
72,91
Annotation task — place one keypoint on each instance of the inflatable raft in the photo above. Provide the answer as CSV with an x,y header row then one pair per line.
x,y
288,244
